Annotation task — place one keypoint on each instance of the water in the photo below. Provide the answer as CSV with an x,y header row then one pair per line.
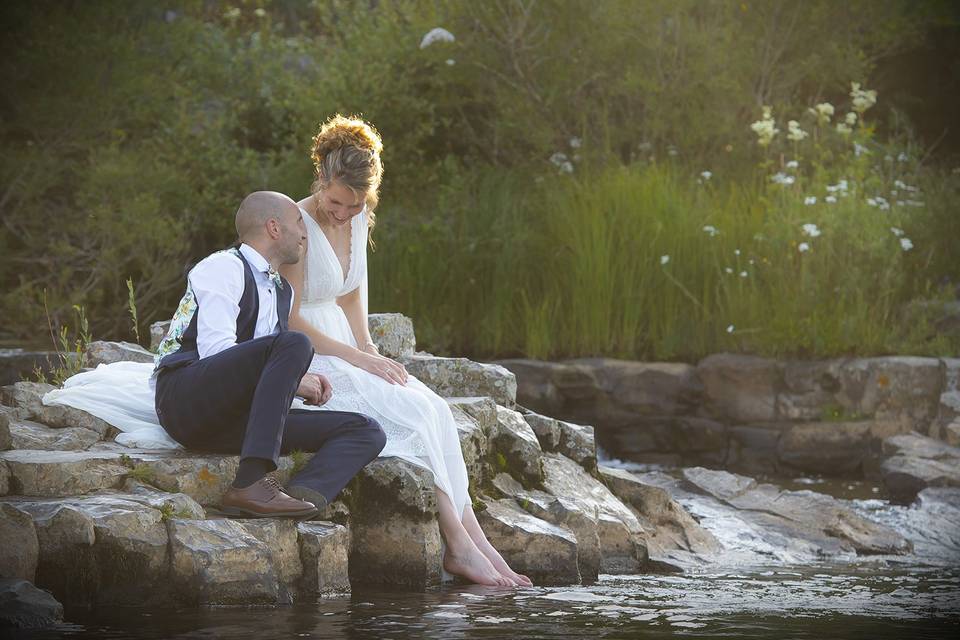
x,y
753,590
774,602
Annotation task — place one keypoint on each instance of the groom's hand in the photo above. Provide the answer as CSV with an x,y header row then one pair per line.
x,y
314,389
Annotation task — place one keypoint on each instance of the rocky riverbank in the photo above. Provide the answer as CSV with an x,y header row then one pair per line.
x,y
752,415
95,523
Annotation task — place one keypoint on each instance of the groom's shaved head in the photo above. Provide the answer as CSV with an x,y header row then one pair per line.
x,y
257,208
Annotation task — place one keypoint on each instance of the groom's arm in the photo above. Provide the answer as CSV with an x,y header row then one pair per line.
x,y
217,283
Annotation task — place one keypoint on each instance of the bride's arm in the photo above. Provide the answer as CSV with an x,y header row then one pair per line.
x,y
327,346
352,307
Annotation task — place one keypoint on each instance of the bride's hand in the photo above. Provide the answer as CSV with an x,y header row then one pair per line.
x,y
390,370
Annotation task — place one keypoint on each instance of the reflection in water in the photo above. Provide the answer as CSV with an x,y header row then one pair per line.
x,y
812,602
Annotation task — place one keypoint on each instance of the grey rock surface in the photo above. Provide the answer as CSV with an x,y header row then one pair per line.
x,y
24,606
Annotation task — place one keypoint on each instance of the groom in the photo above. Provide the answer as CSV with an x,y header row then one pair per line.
x,y
228,370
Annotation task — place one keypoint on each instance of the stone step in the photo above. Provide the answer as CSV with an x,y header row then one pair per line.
x,y
452,377
142,548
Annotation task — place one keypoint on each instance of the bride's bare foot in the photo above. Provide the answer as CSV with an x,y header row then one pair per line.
x,y
469,563
501,565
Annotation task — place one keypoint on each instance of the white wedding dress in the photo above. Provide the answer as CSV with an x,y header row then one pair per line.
x,y
419,425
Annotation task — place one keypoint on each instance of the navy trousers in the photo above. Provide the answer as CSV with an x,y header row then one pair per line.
x,y
238,401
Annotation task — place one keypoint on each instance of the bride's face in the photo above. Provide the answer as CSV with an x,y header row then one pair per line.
x,y
339,204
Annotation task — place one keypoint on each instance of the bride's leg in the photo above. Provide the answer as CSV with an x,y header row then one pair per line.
x,y
472,526
462,557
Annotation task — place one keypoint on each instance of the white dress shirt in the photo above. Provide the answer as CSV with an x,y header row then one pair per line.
x,y
217,283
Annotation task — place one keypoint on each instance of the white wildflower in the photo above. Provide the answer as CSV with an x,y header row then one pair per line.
x,y
575,142
259,12
859,150
751,261
872,202
664,259
793,164
811,230
906,244
795,133
862,99
896,231
913,203
810,200
710,230
232,13
671,150
743,274
736,252
781,178
765,128
840,186
830,199
802,247
843,129
900,184
902,156
730,328
561,162
451,62
438,34
728,269
823,112
706,175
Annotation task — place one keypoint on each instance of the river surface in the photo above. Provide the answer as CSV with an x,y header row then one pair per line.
x,y
751,591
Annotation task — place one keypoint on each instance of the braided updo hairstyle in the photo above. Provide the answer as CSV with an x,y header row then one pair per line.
x,y
347,150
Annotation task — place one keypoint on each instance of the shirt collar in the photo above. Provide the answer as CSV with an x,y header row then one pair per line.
x,y
257,261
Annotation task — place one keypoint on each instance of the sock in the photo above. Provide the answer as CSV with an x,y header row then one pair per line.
x,y
250,470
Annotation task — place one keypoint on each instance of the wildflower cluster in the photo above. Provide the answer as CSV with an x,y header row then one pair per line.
x,y
765,128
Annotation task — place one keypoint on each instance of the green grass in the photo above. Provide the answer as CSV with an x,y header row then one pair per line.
x,y
571,265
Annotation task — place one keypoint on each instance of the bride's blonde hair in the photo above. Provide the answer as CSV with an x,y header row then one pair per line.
x,y
347,150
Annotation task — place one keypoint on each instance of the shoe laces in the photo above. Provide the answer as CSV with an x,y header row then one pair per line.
x,y
273,483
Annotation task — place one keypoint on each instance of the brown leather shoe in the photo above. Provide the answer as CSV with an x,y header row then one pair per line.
x,y
264,499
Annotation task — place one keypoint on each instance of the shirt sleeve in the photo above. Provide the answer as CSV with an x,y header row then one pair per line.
x,y
217,283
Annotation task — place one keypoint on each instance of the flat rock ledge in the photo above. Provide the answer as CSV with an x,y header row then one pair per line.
x,y
746,413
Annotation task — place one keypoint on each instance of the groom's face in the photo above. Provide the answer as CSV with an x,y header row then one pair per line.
x,y
293,235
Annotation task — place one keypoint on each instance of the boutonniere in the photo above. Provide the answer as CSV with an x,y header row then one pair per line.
x,y
274,276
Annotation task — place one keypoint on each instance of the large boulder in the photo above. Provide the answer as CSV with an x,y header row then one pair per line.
x,y
25,397
19,551
205,478
515,447
103,352
395,538
740,388
324,554
669,528
644,388
829,448
220,562
545,552
17,364
281,537
392,333
452,377
752,449
482,409
581,499
26,434
23,606
821,522
101,549
575,441
916,462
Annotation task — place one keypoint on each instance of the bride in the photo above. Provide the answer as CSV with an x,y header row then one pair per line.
x,y
332,312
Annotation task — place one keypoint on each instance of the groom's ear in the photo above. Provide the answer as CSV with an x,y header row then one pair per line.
x,y
272,226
